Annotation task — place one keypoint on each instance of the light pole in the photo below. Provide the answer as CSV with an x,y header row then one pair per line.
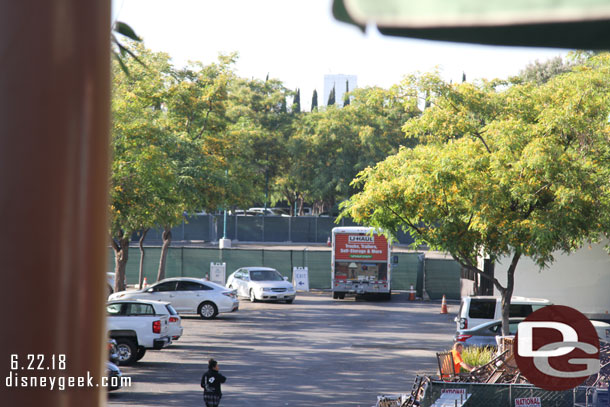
x,y
224,242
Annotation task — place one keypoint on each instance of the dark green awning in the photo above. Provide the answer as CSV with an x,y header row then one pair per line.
x,y
579,24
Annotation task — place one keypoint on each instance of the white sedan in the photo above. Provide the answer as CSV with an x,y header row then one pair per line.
x,y
188,296
261,283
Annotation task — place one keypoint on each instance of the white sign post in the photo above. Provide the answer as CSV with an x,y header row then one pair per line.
x,y
218,273
300,278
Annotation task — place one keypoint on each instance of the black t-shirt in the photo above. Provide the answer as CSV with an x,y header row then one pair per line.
x,y
210,381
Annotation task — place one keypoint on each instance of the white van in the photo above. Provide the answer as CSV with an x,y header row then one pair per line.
x,y
480,309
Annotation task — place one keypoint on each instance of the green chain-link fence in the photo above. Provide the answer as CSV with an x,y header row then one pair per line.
x,y
484,395
303,229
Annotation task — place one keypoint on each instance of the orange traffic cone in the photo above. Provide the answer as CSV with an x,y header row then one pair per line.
x,y
144,284
411,294
444,306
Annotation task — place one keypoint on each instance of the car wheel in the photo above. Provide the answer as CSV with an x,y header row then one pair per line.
x,y
335,296
141,353
127,351
341,296
252,296
207,310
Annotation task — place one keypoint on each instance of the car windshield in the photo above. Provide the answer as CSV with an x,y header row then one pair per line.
x,y
265,275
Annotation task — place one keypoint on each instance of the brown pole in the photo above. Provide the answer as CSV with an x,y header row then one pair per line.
x,y
54,127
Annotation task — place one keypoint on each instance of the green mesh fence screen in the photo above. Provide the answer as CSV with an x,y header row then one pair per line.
x,y
196,262
305,229
279,260
249,228
484,395
318,263
442,278
404,273
236,258
276,229
198,228
302,229
324,229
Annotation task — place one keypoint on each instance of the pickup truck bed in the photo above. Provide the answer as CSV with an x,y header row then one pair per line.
x,y
136,327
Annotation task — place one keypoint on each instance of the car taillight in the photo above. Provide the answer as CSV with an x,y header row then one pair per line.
x,y
157,327
230,294
462,338
173,319
463,323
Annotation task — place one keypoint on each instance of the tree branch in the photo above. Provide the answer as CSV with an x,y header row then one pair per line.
x,y
408,223
480,137
114,244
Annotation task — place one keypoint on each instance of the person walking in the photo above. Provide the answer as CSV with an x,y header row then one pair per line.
x,y
210,382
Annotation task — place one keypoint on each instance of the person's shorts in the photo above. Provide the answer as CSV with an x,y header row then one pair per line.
x,y
211,399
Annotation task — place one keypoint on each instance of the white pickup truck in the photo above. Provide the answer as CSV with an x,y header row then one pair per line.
x,y
137,325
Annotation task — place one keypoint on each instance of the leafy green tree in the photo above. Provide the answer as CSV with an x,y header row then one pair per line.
x,y
260,127
331,97
314,100
140,173
331,146
122,51
346,94
195,108
505,171
541,72
169,142
296,104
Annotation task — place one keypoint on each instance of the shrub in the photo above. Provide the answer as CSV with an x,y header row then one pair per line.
x,y
477,356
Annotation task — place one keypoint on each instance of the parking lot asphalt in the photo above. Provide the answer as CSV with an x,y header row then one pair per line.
x,y
314,352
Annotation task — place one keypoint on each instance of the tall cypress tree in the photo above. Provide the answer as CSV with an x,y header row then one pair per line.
x,y
314,100
345,96
296,104
331,97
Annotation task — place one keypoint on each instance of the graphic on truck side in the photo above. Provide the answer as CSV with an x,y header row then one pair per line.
x,y
360,262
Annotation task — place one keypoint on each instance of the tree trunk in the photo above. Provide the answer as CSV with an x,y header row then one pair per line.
x,y
507,293
121,255
291,202
141,245
167,240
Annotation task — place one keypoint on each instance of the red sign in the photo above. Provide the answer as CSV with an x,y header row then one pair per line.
x,y
528,402
361,247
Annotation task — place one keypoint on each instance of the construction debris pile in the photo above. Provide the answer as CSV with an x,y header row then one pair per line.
x,y
602,379
502,369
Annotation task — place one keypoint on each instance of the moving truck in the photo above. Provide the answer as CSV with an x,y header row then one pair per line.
x,y
360,262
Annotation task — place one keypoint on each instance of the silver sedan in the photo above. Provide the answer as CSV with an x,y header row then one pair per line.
x,y
261,283
485,334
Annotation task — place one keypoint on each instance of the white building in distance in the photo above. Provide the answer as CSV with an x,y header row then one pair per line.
x,y
338,82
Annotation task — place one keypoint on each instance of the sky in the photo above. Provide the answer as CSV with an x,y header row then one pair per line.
x,y
299,41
